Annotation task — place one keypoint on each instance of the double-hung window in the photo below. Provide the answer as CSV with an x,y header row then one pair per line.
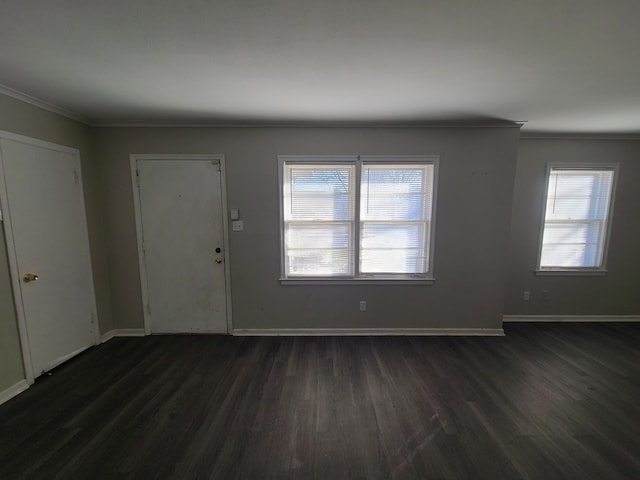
x,y
357,218
577,218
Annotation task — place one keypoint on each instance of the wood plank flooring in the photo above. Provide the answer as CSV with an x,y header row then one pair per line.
x,y
548,401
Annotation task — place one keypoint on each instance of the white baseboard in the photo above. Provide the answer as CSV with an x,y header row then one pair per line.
x,y
122,332
571,318
13,390
494,332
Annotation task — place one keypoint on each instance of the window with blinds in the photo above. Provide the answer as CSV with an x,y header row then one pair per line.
x,y
395,214
576,218
319,215
357,219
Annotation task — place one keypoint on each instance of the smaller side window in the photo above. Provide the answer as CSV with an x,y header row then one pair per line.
x,y
576,221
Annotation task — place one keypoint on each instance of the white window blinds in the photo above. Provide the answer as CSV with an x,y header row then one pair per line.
x,y
576,218
318,214
395,217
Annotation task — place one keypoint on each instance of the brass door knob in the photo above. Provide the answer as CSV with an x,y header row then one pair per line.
x,y
30,277
218,259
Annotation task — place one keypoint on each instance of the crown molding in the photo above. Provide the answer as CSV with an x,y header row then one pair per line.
x,y
524,135
23,97
308,125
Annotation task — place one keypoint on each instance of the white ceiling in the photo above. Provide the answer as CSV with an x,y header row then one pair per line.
x,y
565,66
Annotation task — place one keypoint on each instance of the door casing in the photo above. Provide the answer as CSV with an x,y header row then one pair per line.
x,y
133,160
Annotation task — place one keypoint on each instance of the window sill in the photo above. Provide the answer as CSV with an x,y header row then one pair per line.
x,y
571,273
357,281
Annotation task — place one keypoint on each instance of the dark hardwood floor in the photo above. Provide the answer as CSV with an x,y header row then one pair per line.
x,y
548,401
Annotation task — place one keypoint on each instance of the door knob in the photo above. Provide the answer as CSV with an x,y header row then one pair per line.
x,y
30,277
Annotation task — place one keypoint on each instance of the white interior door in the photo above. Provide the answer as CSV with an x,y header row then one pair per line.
x,y
47,237
181,218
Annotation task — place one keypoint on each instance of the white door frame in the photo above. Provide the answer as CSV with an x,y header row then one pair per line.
x,y
133,160
13,259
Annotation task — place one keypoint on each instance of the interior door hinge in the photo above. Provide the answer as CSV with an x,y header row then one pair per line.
x,y
137,177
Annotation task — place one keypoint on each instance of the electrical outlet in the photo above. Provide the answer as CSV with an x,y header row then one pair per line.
x,y
526,295
545,295
363,305
237,225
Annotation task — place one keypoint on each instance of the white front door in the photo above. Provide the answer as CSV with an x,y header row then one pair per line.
x,y
182,239
46,233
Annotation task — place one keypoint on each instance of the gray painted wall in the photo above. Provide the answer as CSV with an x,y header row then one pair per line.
x,y
24,119
617,293
477,168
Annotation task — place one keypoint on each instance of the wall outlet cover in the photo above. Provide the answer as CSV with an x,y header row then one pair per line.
x,y
237,226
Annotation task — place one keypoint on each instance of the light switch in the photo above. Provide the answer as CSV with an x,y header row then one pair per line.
x,y
237,226
235,214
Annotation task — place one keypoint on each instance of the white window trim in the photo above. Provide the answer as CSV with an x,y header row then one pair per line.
x,y
394,279
577,271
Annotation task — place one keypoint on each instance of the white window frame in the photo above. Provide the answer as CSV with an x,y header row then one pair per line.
x,y
358,160
577,271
